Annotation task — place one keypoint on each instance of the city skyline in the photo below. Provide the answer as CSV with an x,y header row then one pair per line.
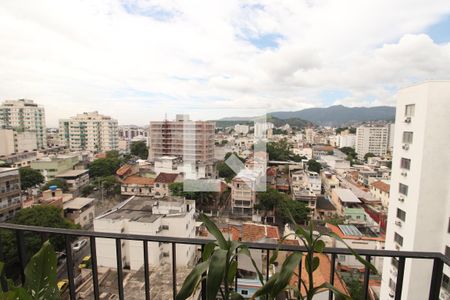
x,y
227,58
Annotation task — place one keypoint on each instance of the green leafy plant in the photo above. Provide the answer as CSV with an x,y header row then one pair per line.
x,y
218,267
314,245
40,278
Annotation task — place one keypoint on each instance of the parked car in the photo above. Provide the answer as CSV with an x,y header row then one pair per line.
x,y
61,258
85,262
78,245
62,285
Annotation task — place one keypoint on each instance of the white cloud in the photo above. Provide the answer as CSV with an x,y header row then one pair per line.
x,y
136,60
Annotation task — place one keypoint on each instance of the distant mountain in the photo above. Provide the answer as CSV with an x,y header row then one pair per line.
x,y
293,122
339,115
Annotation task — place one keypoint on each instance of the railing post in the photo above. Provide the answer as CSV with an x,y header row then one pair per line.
x,y
203,291
146,272
400,274
436,279
94,267
21,252
366,279
174,270
69,265
119,268
332,271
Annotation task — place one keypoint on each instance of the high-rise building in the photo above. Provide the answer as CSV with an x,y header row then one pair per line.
x,y
372,139
24,115
89,131
190,141
182,138
9,193
419,206
12,141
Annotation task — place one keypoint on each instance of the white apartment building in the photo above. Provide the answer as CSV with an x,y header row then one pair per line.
x,y
17,141
243,191
173,217
89,131
241,129
24,115
346,140
10,201
372,139
419,206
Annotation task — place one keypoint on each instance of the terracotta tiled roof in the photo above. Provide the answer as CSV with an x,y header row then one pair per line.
x,y
100,155
320,276
166,178
254,232
382,186
123,170
234,232
139,180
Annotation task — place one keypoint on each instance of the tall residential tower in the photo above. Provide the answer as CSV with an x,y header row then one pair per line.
x,y
419,206
89,131
24,115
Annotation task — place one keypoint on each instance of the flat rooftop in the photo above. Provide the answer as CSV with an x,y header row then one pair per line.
x,y
140,209
346,195
72,173
78,203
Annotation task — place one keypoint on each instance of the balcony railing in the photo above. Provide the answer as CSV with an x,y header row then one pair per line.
x,y
438,259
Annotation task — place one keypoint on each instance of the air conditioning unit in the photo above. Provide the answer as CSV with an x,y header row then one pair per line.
x,y
408,120
405,147
401,199
398,223
404,174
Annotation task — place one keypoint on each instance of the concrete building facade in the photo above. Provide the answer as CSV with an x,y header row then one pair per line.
x,y
24,115
419,206
89,131
372,139
10,201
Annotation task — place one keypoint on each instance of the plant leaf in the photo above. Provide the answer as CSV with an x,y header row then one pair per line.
x,y
40,274
216,273
232,270
287,270
236,296
336,292
319,245
212,228
208,250
244,250
315,262
17,293
267,287
356,255
192,280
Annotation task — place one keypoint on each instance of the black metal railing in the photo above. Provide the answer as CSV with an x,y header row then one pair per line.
x,y
439,259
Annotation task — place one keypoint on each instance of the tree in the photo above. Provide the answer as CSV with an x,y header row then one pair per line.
x,y
201,198
282,205
60,183
104,167
41,215
87,190
279,150
139,149
30,178
314,166
354,286
351,154
369,154
224,170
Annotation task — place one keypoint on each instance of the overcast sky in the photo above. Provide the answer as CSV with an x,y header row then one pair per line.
x,y
138,60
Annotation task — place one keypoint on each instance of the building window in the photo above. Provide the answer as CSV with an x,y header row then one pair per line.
x,y
447,251
405,163
446,283
394,262
401,214
407,137
403,189
409,110
392,284
244,292
398,239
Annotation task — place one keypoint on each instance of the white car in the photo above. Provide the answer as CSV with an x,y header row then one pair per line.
x,y
78,245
